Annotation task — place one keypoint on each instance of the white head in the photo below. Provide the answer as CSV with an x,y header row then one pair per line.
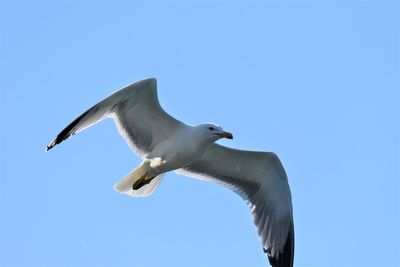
x,y
214,132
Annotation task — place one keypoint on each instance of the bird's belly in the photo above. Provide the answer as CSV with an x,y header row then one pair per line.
x,y
174,159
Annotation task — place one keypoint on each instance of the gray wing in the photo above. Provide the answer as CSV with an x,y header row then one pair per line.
x,y
137,113
260,179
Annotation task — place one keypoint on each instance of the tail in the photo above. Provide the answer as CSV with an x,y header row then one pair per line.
x,y
124,186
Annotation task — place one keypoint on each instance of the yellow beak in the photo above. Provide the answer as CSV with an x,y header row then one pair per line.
x,y
225,135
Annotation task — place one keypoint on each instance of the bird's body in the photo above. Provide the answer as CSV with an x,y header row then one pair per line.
x,y
166,144
184,147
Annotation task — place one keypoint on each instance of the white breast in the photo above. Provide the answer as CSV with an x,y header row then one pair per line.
x,y
181,149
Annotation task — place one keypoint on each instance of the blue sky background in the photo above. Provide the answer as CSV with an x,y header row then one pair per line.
x,y
317,82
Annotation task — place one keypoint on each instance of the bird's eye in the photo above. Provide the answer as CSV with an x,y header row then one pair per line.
x,y
211,128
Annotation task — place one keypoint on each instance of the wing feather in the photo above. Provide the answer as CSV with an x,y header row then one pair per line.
x,y
260,179
137,113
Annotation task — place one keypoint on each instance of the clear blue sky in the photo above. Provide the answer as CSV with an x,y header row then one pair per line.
x,y
317,82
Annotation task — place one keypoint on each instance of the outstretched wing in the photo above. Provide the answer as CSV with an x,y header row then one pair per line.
x,y
261,180
136,111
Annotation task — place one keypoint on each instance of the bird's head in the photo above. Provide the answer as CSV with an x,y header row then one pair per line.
x,y
214,131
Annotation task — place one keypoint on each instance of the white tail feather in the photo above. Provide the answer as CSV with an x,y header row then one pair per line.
x,y
124,186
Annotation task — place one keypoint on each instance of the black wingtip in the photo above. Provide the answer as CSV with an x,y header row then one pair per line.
x,y
286,258
69,130
51,145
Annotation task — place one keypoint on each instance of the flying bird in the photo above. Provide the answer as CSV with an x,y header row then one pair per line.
x,y
165,144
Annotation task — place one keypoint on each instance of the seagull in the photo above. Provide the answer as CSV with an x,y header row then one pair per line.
x,y
165,144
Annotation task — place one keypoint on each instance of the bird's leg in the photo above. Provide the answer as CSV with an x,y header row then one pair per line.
x,y
141,182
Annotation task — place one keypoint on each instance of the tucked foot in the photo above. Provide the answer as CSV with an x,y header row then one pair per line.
x,y
142,181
